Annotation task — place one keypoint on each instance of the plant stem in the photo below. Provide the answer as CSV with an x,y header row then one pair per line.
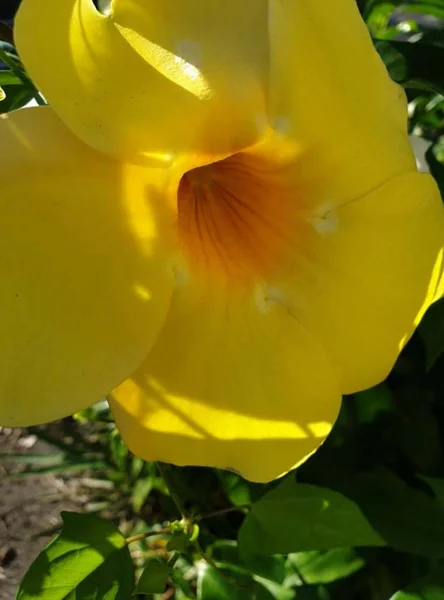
x,y
223,511
146,534
165,472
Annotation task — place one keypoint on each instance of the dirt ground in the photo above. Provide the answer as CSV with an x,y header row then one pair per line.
x,y
29,509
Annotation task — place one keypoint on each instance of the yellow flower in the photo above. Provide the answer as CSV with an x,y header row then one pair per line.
x,y
219,219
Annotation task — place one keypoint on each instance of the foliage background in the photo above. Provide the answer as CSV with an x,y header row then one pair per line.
x,y
363,519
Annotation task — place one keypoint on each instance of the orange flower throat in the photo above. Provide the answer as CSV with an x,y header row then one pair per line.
x,y
238,216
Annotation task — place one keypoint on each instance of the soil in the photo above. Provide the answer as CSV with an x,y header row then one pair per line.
x,y
30,508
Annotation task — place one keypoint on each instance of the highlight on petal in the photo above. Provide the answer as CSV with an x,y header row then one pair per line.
x,y
333,94
152,78
365,281
233,382
83,265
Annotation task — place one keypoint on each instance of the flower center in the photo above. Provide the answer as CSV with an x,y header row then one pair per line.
x,y
238,216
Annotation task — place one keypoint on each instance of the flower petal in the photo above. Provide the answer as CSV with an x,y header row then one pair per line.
x,y
233,382
83,296
374,269
154,77
330,90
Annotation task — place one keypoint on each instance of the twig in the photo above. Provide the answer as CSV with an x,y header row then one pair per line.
x,y
165,472
146,534
223,511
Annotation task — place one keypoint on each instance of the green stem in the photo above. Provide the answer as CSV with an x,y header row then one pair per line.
x,y
146,534
165,472
223,511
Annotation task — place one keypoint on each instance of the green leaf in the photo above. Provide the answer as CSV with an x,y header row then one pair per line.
x,y
378,16
326,566
118,449
236,488
413,65
370,403
417,430
225,583
431,330
426,8
9,78
429,592
266,567
437,486
154,578
179,542
140,492
298,517
408,519
434,157
88,559
17,96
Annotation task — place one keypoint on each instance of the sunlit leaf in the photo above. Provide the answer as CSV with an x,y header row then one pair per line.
x,y
87,560
296,517
327,566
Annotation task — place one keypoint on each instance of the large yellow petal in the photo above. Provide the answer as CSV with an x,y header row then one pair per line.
x,y
330,91
370,272
233,382
84,280
154,77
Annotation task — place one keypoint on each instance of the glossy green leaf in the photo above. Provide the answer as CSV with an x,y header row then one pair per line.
x,y
378,15
7,77
236,488
88,559
296,517
154,578
326,566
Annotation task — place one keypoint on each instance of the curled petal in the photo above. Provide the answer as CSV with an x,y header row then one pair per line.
x,y
153,78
